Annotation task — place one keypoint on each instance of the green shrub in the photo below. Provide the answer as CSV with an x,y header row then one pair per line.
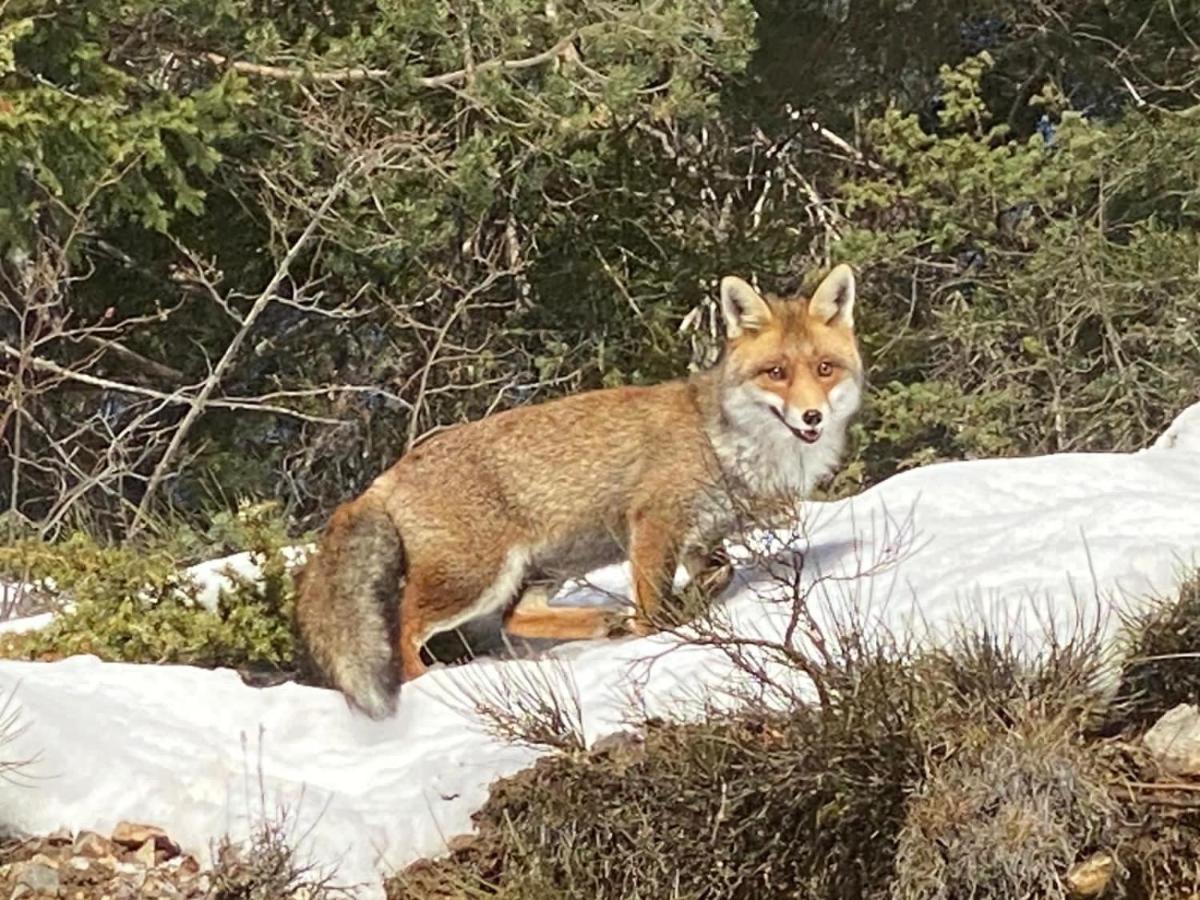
x,y
134,604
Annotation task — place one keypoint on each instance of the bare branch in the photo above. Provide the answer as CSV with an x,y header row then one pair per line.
x,y
352,74
177,398
200,401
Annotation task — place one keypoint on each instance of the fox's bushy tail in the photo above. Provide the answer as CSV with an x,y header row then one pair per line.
x,y
347,605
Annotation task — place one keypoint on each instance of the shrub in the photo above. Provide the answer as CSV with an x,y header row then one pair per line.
x,y
134,604
1022,295
845,798
268,868
1007,815
1162,658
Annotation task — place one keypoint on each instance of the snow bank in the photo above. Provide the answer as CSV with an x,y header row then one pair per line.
x,y
213,576
1038,545
1184,432
22,624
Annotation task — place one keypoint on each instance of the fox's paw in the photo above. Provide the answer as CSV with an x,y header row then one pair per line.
x,y
639,625
625,621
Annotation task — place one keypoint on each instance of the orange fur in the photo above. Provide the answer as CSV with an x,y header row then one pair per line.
x,y
515,503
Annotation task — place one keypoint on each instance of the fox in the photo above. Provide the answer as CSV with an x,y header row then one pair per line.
x,y
491,517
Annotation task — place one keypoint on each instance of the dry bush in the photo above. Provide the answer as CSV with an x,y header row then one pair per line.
x,y
1162,859
856,764
535,705
1007,813
1162,663
268,868
803,801
973,769
813,802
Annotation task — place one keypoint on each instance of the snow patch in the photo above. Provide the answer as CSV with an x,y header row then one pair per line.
x,y
209,578
1183,433
1041,546
23,624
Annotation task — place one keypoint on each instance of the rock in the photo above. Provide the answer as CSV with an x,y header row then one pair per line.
x,y
189,866
131,836
1090,877
92,845
1174,741
144,855
619,740
461,842
37,876
58,838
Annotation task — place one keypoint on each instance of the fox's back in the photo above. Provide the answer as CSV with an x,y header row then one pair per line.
x,y
567,465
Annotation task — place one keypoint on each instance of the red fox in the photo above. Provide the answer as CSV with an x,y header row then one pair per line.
x,y
491,516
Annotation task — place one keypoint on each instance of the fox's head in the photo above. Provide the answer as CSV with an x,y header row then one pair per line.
x,y
791,365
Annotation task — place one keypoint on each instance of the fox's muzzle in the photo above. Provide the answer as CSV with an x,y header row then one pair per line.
x,y
810,434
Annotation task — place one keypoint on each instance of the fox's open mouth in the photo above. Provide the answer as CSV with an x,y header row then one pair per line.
x,y
808,435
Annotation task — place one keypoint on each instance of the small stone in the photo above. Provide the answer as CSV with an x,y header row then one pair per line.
x,y
107,864
58,838
132,836
188,865
79,863
1090,877
37,876
461,842
144,855
629,741
1174,741
92,845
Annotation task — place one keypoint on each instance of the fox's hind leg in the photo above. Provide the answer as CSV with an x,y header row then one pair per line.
x,y
532,616
710,571
414,630
440,596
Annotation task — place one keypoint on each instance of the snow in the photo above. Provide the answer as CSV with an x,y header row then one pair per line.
x,y
1184,432
1041,545
212,577
22,624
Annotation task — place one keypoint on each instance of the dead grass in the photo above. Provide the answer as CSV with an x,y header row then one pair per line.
x,y
268,867
970,771
1162,667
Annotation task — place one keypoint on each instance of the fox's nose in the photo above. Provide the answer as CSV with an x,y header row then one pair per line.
x,y
812,418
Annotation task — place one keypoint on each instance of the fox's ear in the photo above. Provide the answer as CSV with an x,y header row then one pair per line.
x,y
833,300
743,308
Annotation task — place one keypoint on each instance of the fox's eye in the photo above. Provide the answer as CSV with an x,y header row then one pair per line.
x,y
824,368
776,373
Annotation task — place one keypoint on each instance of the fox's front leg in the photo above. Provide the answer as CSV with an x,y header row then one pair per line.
x,y
653,552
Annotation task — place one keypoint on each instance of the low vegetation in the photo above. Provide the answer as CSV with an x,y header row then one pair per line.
x,y
974,771
1163,652
133,603
267,867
